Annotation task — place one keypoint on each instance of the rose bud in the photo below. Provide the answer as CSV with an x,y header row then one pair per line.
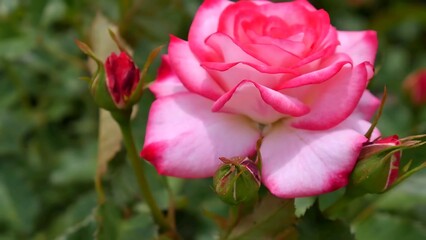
x,y
237,180
415,87
115,85
378,165
122,78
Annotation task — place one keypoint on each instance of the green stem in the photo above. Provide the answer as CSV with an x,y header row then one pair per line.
x,y
234,217
138,168
338,206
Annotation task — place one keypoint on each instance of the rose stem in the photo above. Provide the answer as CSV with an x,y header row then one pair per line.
x,y
140,175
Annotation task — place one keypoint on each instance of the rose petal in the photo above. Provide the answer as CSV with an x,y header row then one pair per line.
x,y
368,104
166,83
333,65
272,55
228,75
361,46
332,101
356,122
228,50
305,4
204,24
301,163
185,139
227,21
189,71
259,103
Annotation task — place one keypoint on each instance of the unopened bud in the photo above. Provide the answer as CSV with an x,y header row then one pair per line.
x,y
237,180
115,85
415,86
122,78
378,165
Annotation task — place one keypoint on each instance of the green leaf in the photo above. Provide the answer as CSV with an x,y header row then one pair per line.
x,y
314,226
270,218
382,226
139,227
18,203
74,167
76,222
302,204
108,220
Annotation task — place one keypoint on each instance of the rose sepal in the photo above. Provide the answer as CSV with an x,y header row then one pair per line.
x,y
98,86
137,92
237,180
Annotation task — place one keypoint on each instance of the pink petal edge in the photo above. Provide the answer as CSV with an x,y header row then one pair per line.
x,y
259,103
336,100
189,71
166,83
302,163
185,139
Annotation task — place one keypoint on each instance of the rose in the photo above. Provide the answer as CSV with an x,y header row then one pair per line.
x,y
257,69
415,87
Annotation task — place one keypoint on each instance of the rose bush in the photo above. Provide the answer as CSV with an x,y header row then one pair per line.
x,y
257,69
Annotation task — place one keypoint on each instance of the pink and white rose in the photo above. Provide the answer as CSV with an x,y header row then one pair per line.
x,y
253,69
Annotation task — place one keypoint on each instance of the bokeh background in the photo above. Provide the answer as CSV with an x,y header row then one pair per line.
x,y
49,123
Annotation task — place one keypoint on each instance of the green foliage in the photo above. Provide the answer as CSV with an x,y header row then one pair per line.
x,y
49,128
270,218
314,226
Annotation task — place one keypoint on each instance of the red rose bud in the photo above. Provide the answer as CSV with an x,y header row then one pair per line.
x,y
122,78
116,84
237,180
415,86
378,164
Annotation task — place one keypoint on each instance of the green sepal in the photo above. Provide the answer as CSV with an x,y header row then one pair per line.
x,y
100,92
370,174
234,184
378,115
137,92
98,86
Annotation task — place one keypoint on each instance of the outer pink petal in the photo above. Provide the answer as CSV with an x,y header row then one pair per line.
x,y
167,83
259,103
361,46
333,101
368,105
189,71
356,122
185,139
306,4
204,24
300,163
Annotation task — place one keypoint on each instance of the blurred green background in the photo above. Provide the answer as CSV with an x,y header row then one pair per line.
x,y
49,123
